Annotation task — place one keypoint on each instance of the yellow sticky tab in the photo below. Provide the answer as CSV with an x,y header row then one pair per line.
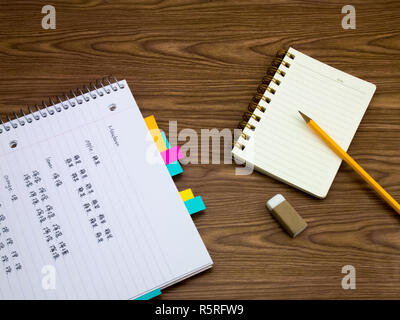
x,y
151,122
186,194
155,133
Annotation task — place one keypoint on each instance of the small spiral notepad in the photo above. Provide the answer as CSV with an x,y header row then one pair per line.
x,y
88,209
275,139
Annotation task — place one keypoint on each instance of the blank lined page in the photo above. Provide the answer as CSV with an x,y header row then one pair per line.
x,y
283,146
88,209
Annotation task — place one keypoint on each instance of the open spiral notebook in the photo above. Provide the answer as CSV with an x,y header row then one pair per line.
x,y
275,138
84,213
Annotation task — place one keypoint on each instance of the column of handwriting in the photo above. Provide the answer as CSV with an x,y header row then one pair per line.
x,y
90,203
8,252
46,213
9,255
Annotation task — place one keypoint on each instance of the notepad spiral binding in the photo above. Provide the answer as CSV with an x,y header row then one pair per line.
x,y
91,91
261,90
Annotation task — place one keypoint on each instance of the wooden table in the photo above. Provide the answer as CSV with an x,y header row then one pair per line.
x,y
199,63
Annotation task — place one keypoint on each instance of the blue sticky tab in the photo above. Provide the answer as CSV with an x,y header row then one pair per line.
x,y
195,205
174,168
165,140
150,295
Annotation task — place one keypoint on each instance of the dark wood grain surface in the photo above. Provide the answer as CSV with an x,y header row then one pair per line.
x,y
199,63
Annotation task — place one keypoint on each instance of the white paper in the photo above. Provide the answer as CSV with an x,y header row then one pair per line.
x,y
142,237
283,146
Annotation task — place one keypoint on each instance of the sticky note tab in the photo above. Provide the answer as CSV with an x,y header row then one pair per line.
x,y
186,194
174,168
150,295
172,155
195,205
155,133
151,122
165,140
163,146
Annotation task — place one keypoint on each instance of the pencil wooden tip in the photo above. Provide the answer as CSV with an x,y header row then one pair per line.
x,y
306,119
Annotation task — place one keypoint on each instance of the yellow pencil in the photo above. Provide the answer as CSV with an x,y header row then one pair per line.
x,y
350,161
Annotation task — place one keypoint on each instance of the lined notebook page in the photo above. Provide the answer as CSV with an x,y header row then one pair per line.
x,y
283,146
80,200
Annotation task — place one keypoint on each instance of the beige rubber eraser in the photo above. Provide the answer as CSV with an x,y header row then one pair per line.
x,y
286,215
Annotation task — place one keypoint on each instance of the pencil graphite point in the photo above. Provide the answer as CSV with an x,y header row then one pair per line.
x,y
306,119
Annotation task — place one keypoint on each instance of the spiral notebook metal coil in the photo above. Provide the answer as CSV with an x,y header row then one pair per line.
x,y
276,68
68,100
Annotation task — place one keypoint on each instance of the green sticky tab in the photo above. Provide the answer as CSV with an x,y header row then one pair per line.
x,y
165,140
150,295
195,205
174,168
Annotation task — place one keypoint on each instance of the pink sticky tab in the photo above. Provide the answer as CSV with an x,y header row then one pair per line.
x,y
172,155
